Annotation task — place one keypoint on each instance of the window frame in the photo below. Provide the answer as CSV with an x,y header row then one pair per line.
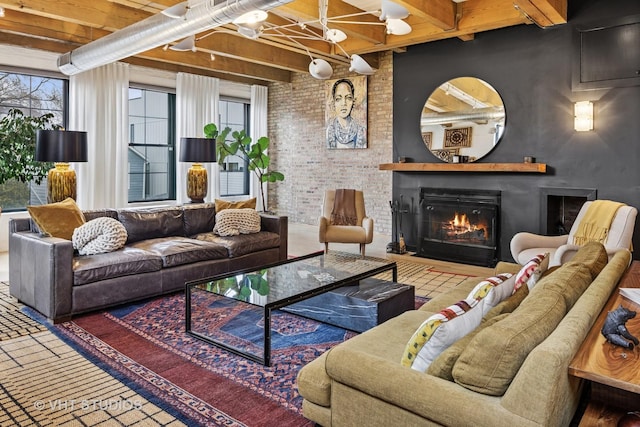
x,y
30,72
247,127
171,146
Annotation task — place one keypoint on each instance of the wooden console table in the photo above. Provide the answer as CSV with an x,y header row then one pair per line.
x,y
614,372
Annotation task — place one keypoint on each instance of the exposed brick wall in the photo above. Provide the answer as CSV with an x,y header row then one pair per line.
x,y
298,148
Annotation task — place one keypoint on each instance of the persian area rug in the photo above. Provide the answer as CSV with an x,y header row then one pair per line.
x,y
147,346
144,348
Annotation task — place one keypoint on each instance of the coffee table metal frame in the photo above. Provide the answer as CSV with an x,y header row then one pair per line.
x,y
265,359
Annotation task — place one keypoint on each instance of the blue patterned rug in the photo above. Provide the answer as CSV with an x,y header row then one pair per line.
x,y
146,346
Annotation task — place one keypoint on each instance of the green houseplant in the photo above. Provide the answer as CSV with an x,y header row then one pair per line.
x,y
241,144
17,153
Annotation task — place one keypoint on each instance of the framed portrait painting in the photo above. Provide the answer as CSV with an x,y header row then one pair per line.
x,y
346,113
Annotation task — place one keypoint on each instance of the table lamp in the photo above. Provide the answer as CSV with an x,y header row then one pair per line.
x,y
198,151
61,147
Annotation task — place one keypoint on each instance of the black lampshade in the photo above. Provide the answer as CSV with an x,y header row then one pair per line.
x,y
198,150
61,146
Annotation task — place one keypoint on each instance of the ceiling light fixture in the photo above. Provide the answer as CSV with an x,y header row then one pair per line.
x,y
1,12
253,19
188,43
391,13
177,11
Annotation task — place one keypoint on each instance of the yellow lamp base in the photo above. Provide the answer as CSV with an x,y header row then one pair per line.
x,y
61,183
197,183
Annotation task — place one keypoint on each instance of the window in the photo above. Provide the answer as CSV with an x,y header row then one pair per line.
x,y
151,145
34,95
234,174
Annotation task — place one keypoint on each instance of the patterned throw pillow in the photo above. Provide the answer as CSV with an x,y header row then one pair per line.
x,y
231,222
99,236
493,290
443,329
531,272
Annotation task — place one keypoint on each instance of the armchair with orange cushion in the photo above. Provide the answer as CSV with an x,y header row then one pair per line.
x,y
360,230
611,223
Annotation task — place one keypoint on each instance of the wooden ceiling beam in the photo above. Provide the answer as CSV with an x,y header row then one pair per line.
x,y
221,64
439,13
544,13
181,68
304,11
240,48
95,13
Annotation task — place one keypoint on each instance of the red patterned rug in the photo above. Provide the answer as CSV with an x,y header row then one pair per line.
x,y
145,345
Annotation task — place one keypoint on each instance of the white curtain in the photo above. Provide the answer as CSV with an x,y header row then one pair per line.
x,y
197,101
99,105
258,120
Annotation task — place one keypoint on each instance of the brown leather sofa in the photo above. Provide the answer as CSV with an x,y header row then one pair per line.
x,y
165,248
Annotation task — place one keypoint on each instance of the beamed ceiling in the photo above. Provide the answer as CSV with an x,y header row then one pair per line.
x,y
63,25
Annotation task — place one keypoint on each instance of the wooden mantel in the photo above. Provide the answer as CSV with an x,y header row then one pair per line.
x,y
464,167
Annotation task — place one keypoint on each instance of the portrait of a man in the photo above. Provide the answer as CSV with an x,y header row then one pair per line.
x,y
346,113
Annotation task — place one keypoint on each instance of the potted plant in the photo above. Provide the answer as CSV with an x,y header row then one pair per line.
x,y
255,152
18,147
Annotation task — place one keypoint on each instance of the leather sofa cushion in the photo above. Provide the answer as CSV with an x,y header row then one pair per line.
x,y
244,243
181,250
199,218
93,268
99,213
142,224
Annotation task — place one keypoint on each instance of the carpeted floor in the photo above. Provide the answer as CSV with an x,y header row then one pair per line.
x,y
136,366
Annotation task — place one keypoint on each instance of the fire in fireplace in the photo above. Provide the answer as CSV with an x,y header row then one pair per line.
x,y
459,225
460,229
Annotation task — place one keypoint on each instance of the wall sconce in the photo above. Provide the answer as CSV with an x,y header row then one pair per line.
x,y
583,116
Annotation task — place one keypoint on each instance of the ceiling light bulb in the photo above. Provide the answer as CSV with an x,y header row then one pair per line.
x,y
336,36
213,57
360,66
398,27
392,10
1,12
253,19
320,69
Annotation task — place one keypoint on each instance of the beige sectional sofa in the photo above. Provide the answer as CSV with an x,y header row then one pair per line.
x,y
527,352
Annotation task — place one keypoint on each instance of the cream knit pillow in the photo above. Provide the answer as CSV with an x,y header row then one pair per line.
x,y
99,236
231,222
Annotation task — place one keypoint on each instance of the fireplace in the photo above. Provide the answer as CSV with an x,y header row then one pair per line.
x,y
559,208
459,225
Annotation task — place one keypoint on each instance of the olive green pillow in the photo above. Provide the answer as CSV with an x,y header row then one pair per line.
x,y
593,255
442,366
491,360
509,304
57,219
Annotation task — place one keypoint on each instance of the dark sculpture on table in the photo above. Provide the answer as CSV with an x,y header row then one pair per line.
x,y
614,329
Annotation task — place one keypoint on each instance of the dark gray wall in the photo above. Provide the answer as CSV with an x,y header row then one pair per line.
x,y
531,69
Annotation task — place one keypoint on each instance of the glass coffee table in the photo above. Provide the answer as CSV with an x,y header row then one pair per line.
x,y
273,287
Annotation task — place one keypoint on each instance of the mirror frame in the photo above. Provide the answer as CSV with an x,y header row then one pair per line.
x,y
462,120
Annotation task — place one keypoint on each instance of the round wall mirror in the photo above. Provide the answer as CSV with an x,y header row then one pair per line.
x,y
462,120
